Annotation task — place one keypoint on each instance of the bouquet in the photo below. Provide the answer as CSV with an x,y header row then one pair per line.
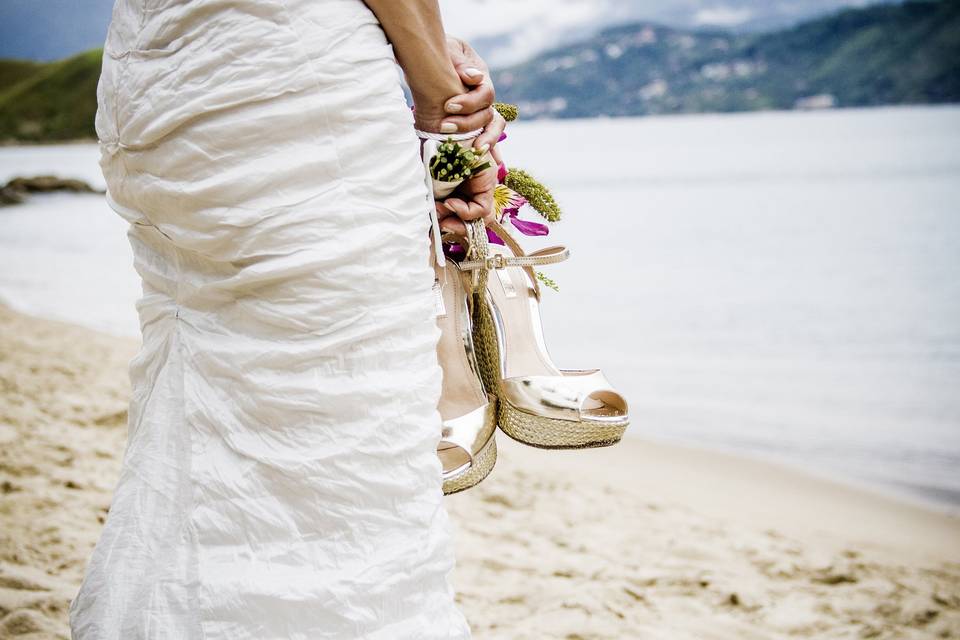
x,y
453,164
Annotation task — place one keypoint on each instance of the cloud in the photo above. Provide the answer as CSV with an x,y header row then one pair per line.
x,y
722,16
508,31
521,28
494,17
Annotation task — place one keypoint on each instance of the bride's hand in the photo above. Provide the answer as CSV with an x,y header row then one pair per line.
x,y
472,200
473,110
439,70
467,111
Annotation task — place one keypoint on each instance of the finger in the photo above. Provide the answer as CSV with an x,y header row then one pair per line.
x,y
466,210
484,203
477,99
491,133
472,68
453,225
478,206
457,51
485,181
443,211
463,124
497,158
469,73
481,190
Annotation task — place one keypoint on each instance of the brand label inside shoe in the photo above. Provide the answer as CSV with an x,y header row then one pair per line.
x,y
509,290
439,309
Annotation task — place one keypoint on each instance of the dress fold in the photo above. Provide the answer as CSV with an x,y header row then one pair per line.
x,y
280,479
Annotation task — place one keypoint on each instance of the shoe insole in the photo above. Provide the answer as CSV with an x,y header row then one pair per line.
x,y
526,354
462,391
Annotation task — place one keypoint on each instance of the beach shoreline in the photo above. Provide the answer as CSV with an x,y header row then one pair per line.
x,y
640,540
942,502
919,497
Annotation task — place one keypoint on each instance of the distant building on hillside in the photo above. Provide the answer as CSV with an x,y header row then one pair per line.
x,y
813,103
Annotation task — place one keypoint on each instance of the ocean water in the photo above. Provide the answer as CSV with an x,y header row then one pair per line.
x,y
783,285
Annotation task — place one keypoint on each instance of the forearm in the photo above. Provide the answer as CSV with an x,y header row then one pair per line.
x,y
415,30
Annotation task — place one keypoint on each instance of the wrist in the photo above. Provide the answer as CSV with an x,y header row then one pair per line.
x,y
428,115
433,82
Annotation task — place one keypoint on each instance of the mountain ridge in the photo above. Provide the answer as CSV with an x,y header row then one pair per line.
x,y
528,37
884,54
880,55
55,29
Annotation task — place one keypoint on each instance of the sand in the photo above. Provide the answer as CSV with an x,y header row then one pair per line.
x,y
640,540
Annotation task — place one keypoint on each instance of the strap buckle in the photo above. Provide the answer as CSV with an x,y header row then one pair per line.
x,y
496,261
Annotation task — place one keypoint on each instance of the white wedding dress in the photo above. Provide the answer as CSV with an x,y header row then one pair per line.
x,y
281,478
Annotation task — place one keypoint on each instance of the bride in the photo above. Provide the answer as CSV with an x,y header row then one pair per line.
x,y
281,477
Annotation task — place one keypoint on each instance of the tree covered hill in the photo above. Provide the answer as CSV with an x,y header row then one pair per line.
x,y
49,101
884,54
887,54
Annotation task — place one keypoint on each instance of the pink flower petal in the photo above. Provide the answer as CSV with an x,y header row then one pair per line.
x,y
501,173
528,228
493,237
454,251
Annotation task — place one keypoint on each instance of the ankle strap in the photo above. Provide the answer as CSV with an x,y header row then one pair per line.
x,y
550,255
519,258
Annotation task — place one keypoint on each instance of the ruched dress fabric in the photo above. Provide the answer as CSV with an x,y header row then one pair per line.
x,y
280,478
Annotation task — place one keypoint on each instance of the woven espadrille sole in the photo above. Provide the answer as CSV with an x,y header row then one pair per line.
x,y
550,433
472,476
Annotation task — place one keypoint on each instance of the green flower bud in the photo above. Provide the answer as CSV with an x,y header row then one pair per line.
x,y
510,112
536,194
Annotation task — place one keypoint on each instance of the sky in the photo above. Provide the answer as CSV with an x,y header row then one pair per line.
x,y
508,31
504,31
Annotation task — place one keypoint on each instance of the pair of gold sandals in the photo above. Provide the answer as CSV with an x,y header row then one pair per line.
x,y
496,370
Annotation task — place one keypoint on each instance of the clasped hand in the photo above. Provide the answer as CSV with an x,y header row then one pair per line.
x,y
469,111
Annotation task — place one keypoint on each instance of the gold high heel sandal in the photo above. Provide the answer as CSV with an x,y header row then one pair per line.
x,y
468,446
540,404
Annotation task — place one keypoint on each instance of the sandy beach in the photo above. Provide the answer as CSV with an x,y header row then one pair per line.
x,y
640,540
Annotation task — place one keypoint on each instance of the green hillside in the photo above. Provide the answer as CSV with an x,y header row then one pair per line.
x,y
884,54
888,54
13,71
53,101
